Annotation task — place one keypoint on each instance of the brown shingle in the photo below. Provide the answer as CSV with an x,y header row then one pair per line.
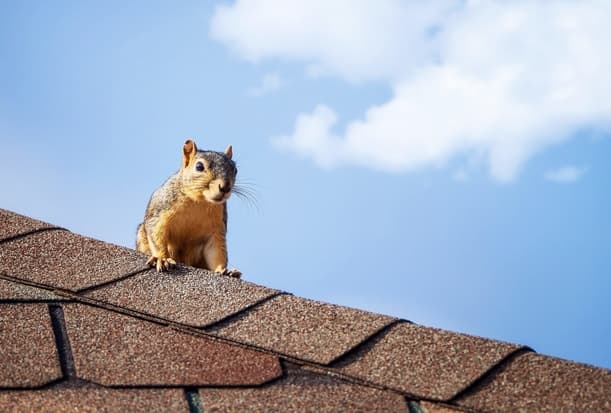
x,y
12,224
65,260
101,345
13,291
539,383
429,407
94,399
304,329
28,356
302,393
115,349
425,362
188,296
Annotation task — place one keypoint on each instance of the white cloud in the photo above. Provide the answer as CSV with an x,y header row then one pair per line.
x,y
270,82
565,175
496,80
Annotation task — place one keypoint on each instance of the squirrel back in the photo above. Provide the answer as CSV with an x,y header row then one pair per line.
x,y
186,218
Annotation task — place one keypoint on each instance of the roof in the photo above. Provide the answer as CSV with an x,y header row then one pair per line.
x,y
85,325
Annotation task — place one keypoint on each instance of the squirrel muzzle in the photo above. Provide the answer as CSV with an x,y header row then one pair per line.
x,y
218,191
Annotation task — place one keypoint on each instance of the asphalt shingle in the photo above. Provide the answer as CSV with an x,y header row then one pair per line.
x,y
12,224
429,407
76,313
423,361
184,295
304,329
534,382
119,350
68,261
28,356
302,393
15,292
93,400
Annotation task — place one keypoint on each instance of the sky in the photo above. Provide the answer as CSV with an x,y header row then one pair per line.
x,y
445,162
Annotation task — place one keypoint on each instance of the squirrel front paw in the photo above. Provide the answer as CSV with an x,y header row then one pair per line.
x,y
162,264
234,272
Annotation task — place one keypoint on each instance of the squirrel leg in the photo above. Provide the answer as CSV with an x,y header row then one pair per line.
x,y
215,253
160,258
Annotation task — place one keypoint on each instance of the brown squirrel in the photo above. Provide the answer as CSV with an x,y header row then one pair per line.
x,y
186,218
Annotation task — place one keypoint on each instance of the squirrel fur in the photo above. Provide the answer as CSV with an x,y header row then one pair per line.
x,y
186,218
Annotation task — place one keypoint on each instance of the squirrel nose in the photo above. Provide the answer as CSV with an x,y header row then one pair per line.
x,y
224,188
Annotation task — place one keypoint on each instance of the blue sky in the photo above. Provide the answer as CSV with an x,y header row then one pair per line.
x,y
445,163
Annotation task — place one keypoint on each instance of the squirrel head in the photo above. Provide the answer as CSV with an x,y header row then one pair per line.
x,y
207,175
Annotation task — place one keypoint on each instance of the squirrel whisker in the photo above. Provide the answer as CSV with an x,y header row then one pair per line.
x,y
242,191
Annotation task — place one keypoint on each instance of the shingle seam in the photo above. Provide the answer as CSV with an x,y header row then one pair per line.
x,y
62,342
55,290
415,407
199,332
110,282
238,315
321,370
314,369
163,321
33,300
352,379
337,361
32,232
29,388
281,377
7,277
490,374
179,385
193,400
75,298
326,369
364,382
65,292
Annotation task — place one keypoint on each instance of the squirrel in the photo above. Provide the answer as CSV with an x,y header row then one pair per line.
x,y
186,218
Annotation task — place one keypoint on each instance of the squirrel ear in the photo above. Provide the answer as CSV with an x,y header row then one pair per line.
x,y
188,152
229,151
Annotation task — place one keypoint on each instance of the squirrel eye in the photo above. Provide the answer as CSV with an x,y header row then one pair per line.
x,y
199,166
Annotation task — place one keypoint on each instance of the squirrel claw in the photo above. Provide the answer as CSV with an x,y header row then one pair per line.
x,y
162,264
234,272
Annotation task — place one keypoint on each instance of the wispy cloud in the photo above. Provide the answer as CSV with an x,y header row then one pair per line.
x,y
565,175
270,82
494,79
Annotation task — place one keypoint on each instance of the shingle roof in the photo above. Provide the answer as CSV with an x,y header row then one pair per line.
x,y
84,325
